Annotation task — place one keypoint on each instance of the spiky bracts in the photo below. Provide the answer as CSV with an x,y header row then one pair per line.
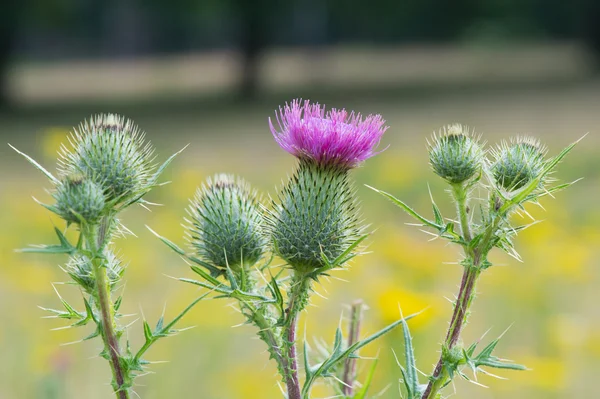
x,y
315,217
518,162
81,270
455,155
112,152
107,168
336,137
226,223
79,199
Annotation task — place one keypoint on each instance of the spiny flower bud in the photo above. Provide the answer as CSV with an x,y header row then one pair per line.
x,y
111,151
454,155
334,138
316,214
226,223
80,268
518,163
79,199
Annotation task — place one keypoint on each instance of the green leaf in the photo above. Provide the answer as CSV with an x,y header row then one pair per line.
x,y
407,209
487,359
162,167
214,271
277,295
162,330
37,165
169,243
307,366
362,392
338,354
47,249
411,376
439,219
148,332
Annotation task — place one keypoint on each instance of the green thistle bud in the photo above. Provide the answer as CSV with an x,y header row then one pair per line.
x,y
79,200
454,155
518,163
316,214
80,268
111,151
226,223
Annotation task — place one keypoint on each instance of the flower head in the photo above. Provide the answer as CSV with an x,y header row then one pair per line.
x,y
518,163
455,155
226,223
111,151
79,199
335,137
316,218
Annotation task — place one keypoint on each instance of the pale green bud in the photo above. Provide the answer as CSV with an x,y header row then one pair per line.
x,y
79,199
518,163
226,223
455,155
111,151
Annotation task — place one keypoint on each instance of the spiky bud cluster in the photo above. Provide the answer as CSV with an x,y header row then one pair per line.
x,y
455,155
518,163
316,215
226,223
111,151
79,200
80,268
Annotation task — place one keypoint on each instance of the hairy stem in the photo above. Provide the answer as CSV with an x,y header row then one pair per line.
x,y
96,241
466,293
465,296
297,300
267,334
461,197
353,334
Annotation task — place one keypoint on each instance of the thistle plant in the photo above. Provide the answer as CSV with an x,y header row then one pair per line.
x,y
313,225
107,167
511,175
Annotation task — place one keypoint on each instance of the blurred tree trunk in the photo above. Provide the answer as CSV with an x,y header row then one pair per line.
x,y
590,27
8,31
254,37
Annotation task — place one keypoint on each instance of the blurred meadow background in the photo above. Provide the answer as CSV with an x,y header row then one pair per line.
x,y
210,73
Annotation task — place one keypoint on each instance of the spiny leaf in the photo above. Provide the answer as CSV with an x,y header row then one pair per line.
x,y
362,392
407,208
411,378
162,167
338,354
37,165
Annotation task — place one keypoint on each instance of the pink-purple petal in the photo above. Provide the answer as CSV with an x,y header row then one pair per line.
x,y
333,138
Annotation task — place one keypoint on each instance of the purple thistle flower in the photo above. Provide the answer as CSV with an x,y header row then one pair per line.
x,y
334,138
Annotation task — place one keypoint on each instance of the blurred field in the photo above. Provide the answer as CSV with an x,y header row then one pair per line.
x,y
551,299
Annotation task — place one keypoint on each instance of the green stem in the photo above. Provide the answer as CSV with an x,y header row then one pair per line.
x,y
440,376
461,197
466,293
297,301
268,336
96,242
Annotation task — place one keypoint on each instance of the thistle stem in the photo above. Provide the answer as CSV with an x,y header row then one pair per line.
x,y
267,334
96,239
465,296
298,299
460,195
350,364
466,293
